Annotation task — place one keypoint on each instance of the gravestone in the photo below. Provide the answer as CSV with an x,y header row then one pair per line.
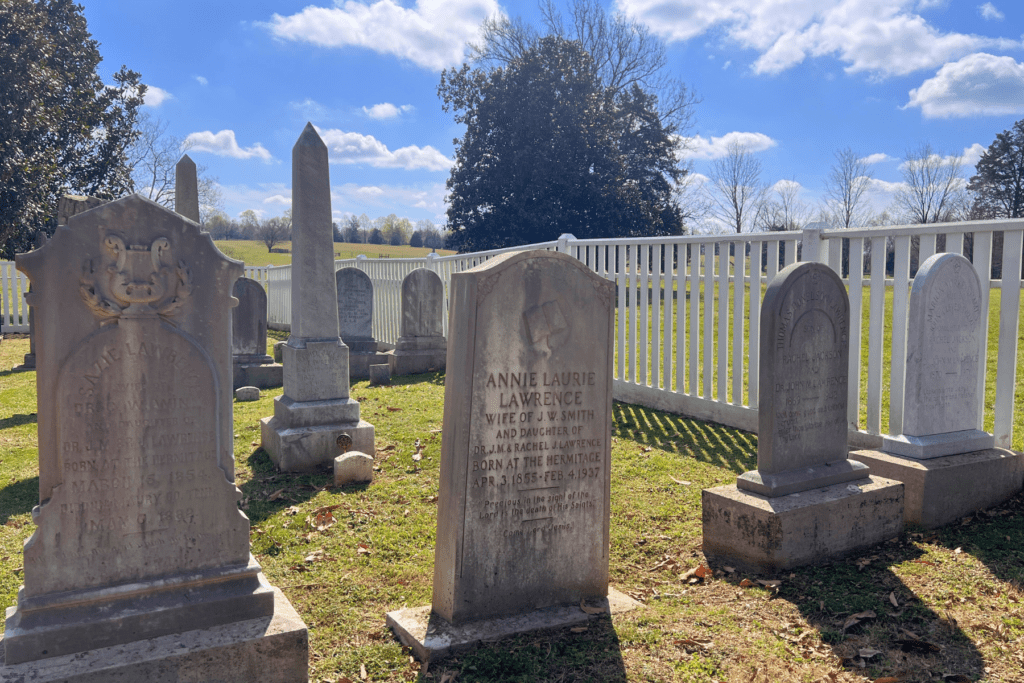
x,y
523,509
69,205
355,321
252,365
139,536
949,466
316,407
806,501
421,346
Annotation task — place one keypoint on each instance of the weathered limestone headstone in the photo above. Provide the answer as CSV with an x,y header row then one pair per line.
x,y
806,502
523,511
355,321
949,466
253,366
421,346
186,189
69,205
139,535
315,408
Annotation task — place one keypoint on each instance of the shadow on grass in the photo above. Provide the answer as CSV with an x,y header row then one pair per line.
x,y
270,491
17,420
17,370
430,377
827,596
548,655
995,537
704,441
18,497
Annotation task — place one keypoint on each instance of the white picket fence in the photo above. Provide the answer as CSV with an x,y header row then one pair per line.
x,y
688,319
13,288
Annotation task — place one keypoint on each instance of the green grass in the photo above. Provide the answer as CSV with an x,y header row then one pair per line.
x,y
254,253
959,588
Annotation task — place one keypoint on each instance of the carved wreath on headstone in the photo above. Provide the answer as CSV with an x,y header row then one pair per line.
x,y
135,280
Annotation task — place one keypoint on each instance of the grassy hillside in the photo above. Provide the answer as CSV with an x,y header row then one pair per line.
x,y
255,253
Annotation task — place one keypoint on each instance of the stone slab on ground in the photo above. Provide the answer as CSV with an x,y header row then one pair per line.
x,y
302,449
429,635
353,468
380,375
941,490
247,393
263,376
752,532
271,649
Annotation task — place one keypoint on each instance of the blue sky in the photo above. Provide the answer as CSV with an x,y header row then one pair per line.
x,y
795,80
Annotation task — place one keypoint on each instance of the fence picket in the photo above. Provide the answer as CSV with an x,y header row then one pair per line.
x,y
709,318
755,324
877,316
898,348
1009,324
856,291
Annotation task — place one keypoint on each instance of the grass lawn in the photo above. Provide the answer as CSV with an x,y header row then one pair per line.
x,y
946,605
254,252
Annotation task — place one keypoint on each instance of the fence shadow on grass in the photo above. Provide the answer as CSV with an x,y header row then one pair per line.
x,y
705,441
556,654
829,596
995,537
18,497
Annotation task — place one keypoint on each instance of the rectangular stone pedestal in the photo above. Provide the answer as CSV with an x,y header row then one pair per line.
x,y
305,448
271,649
429,635
415,362
941,490
359,363
755,533
262,376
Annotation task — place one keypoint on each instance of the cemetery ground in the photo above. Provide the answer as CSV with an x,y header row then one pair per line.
x,y
254,252
942,605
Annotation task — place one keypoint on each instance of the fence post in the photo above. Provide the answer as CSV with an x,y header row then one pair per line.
x,y
563,243
433,262
812,241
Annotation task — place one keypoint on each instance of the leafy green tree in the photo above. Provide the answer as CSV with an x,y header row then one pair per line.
x,y
416,240
352,232
548,149
62,130
376,237
998,184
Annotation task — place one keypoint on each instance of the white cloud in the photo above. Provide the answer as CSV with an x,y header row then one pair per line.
x,y
202,80
699,147
785,184
399,198
972,154
875,158
356,148
278,199
156,96
224,144
989,11
969,157
978,85
881,37
432,33
386,110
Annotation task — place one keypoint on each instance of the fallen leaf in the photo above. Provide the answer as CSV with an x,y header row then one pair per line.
x,y
578,629
956,678
958,551
362,549
276,494
925,562
868,653
729,570
855,619
889,679
449,677
591,610
392,409
680,481
769,584
746,583
892,599
362,671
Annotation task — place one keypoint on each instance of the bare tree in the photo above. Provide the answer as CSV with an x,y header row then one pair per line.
x,y
153,157
934,189
782,209
273,231
845,185
624,51
736,191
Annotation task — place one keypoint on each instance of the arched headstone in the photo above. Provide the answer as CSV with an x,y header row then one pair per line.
x,y
355,321
422,346
253,366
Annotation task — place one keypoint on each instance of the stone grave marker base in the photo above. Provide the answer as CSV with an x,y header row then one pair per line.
x,y
429,635
263,375
795,481
359,363
304,449
268,649
941,490
754,533
74,621
938,445
414,361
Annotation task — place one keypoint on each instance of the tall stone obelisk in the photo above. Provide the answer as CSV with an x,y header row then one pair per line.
x,y
315,408
186,189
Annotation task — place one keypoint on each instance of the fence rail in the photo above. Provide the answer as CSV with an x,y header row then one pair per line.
x,y
688,312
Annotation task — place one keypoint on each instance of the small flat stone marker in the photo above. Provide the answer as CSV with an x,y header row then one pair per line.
x,y
950,467
247,394
380,375
806,502
353,467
